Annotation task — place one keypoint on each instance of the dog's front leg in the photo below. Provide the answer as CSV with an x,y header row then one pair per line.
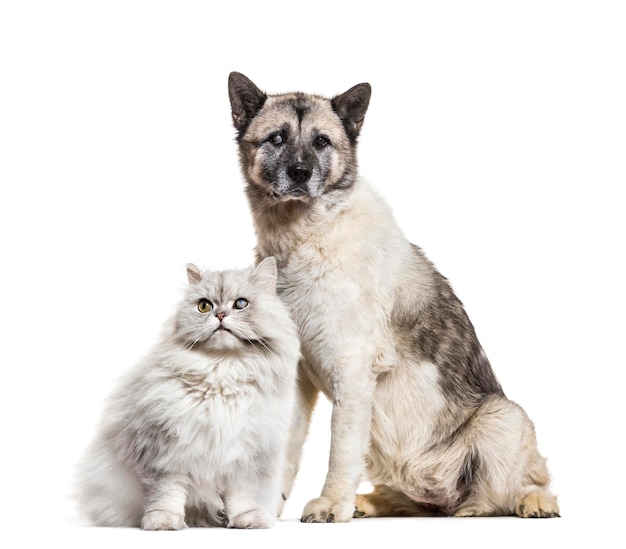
x,y
352,394
306,398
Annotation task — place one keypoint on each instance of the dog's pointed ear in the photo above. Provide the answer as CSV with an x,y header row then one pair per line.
x,y
246,99
351,107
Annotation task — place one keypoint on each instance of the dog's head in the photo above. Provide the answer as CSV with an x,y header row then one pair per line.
x,y
297,146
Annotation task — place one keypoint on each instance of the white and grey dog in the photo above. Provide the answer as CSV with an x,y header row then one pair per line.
x,y
415,401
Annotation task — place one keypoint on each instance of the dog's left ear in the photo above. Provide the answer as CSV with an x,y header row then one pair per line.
x,y
246,99
351,107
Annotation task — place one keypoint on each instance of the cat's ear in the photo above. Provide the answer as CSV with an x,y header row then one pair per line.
x,y
246,99
193,274
265,274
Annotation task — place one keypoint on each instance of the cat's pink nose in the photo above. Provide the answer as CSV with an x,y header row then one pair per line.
x,y
220,316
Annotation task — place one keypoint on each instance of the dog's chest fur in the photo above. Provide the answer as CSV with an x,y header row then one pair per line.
x,y
338,278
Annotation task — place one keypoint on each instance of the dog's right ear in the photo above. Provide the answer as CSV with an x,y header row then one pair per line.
x,y
246,99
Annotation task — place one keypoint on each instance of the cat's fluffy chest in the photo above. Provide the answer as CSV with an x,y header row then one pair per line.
x,y
212,409
226,381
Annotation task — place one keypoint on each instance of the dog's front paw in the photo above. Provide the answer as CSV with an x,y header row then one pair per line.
x,y
325,510
162,520
255,518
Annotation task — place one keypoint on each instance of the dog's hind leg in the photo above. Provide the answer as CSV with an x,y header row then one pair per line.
x,y
513,477
386,502
536,500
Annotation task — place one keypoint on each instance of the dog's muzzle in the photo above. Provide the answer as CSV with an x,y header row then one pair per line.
x,y
299,174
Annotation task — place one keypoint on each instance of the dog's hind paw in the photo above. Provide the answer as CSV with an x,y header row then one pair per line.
x,y
537,504
325,510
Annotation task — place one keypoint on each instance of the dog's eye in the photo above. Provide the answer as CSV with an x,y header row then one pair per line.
x,y
322,141
241,303
277,139
205,306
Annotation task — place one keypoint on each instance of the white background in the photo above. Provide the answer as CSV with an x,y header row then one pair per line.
x,y
496,131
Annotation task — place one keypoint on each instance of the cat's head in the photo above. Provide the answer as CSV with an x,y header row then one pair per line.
x,y
231,310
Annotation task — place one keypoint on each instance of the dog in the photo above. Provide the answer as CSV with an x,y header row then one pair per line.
x,y
416,406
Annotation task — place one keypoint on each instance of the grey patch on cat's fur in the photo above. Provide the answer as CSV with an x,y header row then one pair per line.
x,y
197,517
146,442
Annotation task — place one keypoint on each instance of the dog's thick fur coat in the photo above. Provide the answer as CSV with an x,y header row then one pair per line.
x,y
416,404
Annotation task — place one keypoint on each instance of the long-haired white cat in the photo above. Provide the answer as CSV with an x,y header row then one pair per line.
x,y
195,434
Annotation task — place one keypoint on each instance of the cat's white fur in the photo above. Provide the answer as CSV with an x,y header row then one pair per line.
x,y
198,430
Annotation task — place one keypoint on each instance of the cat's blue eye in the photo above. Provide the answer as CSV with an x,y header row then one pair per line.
x,y
205,306
241,303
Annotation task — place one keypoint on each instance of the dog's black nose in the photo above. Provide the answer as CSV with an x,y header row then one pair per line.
x,y
299,173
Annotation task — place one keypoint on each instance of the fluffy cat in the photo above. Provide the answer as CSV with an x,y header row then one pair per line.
x,y
195,435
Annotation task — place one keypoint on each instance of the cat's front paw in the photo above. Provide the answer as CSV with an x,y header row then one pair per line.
x,y
163,520
325,510
255,518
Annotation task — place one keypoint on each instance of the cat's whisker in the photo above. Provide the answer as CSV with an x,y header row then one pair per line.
x,y
262,343
191,338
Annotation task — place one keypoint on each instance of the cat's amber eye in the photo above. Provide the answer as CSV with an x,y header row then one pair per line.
x,y
241,303
205,306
